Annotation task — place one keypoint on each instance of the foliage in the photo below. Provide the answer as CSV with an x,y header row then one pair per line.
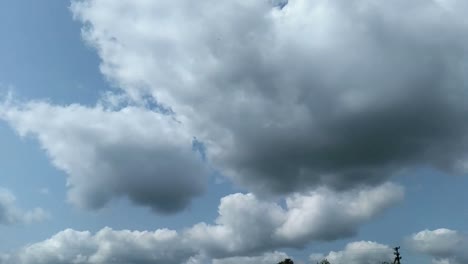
x,y
286,261
324,261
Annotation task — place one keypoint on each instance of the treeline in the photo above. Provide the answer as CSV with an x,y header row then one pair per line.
x,y
325,261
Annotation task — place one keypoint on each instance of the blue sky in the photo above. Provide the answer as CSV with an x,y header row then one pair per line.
x,y
260,101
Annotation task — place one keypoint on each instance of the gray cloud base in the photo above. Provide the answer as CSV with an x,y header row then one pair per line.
x,y
316,93
131,152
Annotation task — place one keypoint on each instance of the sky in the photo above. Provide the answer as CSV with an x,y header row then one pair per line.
x,y
220,132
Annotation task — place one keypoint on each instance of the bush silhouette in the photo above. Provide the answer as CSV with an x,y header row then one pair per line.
x,y
286,261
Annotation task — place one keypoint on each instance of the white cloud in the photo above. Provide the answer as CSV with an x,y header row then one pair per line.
x,y
329,216
10,213
317,93
247,225
106,246
247,229
132,152
362,252
444,245
244,225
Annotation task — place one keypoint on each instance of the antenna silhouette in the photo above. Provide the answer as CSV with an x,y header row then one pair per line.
x,y
397,256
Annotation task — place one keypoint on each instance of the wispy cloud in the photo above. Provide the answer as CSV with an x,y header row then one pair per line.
x,y
11,214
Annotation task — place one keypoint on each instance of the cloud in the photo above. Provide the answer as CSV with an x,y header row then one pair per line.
x,y
247,225
442,261
106,246
444,245
131,152
111,246
362,252
247,229
316,93
11,214
326,215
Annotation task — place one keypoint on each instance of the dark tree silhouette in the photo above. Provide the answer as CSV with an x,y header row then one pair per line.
x,y
286,261
325,261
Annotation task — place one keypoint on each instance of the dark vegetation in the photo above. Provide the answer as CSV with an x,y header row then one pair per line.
x,y
325,261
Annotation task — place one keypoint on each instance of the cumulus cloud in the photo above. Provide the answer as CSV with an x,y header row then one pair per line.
x,y
329,216
247,229
362,252
315,93
247,225
444,245
124,246
106,246
10,213
106,153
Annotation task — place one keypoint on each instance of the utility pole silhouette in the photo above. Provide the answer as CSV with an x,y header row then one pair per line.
x,y
397,256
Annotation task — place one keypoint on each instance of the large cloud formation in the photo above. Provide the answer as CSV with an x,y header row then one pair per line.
x,y
446,246
107,153
337,93
246,230
284,97
11,214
